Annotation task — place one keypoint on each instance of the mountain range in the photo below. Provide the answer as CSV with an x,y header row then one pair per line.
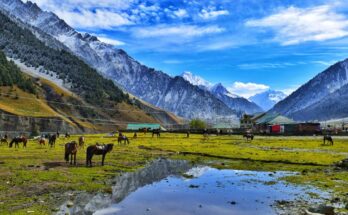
x,y
322,98
235,102
266,100
170,93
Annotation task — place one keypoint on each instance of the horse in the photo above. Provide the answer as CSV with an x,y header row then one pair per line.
x,y
248,136
70,149
18,140
67,135
3,140
52,140
97,150
135,136
82,141
187,134
156,132
329,139
124,138
42,141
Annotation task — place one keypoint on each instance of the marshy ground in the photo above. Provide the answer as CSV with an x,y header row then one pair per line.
x,y
33,179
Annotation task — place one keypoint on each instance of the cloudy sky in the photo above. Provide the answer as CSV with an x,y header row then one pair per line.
x,y
248,45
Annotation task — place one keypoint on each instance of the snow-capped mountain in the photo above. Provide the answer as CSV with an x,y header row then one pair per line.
x,y
197,80
268,99
233,101
172,94
323,97
240,104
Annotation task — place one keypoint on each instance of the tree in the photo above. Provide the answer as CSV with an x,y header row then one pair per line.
x,y
197,124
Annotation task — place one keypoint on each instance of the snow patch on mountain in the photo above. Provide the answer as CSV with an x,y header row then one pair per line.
x,y
197,80
268,99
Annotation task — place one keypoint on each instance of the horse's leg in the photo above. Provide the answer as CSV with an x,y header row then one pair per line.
x,y
75,158
103,157
71,158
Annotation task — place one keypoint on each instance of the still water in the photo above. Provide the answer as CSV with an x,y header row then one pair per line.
x,y
160,188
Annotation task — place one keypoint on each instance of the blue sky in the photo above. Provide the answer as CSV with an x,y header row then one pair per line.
x,y
248,45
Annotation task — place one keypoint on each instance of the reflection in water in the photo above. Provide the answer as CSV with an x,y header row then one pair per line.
x,y
160,189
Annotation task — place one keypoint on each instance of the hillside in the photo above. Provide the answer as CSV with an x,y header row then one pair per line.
x,y
155,87
94,103
317,92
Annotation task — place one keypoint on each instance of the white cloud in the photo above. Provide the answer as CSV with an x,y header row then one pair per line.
x,y
247,89
296,25
185,31
212,14
111,41
181,13
100,19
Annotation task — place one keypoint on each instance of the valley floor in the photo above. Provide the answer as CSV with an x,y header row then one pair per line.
x,y
32,179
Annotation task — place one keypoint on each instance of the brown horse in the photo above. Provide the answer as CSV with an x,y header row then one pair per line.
x,y
124,139
42,141
97,150
82,142
18,140
70,149
329,139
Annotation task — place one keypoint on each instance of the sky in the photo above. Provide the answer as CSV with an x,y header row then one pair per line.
x,y
250,46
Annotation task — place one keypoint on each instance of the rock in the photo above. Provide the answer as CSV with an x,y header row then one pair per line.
x,y
148,209
69,204
232,202
193,186
321,210
343,163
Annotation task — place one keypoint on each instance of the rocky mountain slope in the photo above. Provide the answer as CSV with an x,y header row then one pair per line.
x,y
97,104
268,99
235,102
172,94
312,101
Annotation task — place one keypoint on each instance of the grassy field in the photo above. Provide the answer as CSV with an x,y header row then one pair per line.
x,y
30,178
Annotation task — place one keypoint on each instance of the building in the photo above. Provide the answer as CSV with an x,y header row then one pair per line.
x,y
140,126
249,121
273,123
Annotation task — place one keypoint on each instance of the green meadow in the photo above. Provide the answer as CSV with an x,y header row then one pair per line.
x,y
32,178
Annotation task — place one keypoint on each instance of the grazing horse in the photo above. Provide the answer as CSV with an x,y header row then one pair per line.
x,y
329,139
70,149
156,132
124,138
3,140
52,140
18,140
97,150
248,137
82,141
42,141
67,135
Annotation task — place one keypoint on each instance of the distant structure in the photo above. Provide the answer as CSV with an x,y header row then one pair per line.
x,y
141,126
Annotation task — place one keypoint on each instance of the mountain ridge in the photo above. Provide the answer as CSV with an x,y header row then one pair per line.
x,y
146,83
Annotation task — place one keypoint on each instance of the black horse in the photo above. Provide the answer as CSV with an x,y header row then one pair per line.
x,y
248,137
3,140
97,150
18,140
124,139
329,139
156,132
52,140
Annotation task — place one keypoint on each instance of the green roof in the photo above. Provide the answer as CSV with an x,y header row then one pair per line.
x,y
281,120
274,119
135,126
222,126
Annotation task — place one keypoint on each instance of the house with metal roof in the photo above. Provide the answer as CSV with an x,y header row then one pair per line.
x,y
148,126
273,123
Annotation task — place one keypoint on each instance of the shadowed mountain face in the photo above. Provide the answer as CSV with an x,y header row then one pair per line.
x,y
321,98
172,94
